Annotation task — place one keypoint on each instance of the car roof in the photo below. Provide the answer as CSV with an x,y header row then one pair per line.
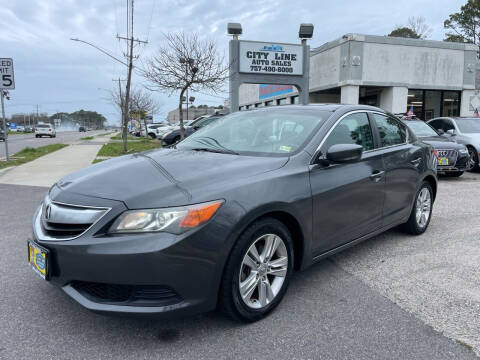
x,y
321,107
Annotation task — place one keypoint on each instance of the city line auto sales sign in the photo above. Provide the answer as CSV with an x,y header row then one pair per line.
x,y
271,58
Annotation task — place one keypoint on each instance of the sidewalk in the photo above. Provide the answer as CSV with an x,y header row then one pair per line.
x,y
48,169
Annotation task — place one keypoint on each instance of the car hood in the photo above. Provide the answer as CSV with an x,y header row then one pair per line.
x,y
441,142
166,177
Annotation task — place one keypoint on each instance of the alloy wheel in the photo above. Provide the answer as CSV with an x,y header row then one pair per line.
x,y
423,207
263,271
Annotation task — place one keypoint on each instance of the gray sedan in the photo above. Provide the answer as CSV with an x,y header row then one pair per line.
x,y
223,218
464,131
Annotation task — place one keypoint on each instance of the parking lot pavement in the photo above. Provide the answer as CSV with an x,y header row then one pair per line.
x,y
327,313
435,276
20,142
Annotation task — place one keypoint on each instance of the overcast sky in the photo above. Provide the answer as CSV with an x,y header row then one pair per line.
x,y
61,75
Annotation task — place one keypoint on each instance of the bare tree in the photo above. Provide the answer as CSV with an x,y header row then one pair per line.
x,y
418,26
140,102
186,62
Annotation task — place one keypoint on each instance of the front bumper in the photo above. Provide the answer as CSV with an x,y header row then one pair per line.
x,y
156,273
459,164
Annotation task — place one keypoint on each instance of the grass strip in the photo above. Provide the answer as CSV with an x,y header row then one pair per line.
x,y
116,149
87,138
29,154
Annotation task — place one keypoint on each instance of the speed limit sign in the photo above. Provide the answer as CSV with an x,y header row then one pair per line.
x,y
7,80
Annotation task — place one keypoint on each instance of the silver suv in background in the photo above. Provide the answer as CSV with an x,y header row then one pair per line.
x,y
45,130
464,131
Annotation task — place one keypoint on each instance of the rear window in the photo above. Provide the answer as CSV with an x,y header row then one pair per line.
x,y
43,126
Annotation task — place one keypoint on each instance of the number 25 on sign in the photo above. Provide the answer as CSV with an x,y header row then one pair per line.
x,y
7,80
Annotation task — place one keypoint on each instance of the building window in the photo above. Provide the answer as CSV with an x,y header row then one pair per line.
x,y
429,104
451,103
415,102
269,103
295,100
282,101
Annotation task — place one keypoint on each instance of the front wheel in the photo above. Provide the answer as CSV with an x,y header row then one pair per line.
x,y
473,159
422,211
258,271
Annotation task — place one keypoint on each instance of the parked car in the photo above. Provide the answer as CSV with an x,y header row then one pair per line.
x,y
29,129
45,130
82,129
152,130
464,131
2,135
453,158
173,136
226,216
20,128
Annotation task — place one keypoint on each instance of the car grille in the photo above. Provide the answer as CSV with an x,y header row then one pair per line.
x,y
450,154
138,295
57,221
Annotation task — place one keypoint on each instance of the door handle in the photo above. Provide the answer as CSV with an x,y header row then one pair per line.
x,y
377,175
416,162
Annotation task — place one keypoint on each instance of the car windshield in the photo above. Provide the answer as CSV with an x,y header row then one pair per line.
x,y
421,129
469,126
257,132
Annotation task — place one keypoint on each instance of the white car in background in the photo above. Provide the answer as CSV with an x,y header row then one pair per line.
x,y
45,130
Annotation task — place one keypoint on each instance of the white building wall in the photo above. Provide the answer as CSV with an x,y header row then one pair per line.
x,y
424,67
325,68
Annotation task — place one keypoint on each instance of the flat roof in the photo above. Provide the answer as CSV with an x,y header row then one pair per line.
x,y
394,41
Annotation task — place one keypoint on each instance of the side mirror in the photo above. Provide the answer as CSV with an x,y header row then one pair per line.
x,y
451,132
344,153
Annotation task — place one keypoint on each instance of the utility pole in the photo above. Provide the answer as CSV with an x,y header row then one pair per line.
x,y
130,40
37,113
4,124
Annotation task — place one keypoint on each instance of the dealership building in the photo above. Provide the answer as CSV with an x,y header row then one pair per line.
x,y
435,78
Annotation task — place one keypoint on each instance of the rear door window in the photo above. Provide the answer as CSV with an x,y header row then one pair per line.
x,y
390,130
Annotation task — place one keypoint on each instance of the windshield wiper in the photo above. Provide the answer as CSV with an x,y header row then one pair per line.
x,y
219,151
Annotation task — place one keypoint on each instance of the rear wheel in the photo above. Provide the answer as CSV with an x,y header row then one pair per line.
x,y
258,271
422,210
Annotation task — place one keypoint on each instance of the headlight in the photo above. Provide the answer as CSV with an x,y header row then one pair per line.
x,y
172,220
463,151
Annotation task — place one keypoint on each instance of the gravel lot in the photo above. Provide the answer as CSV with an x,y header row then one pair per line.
x,y
435,276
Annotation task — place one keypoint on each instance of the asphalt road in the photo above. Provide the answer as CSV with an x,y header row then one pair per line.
x,y
19,142
328,313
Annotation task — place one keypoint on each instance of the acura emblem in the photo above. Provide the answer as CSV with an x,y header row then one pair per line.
x,y
48,212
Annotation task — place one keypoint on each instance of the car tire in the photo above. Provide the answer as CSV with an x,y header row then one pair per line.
x,y
472,152
176,139
418,221
269,283
152,136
